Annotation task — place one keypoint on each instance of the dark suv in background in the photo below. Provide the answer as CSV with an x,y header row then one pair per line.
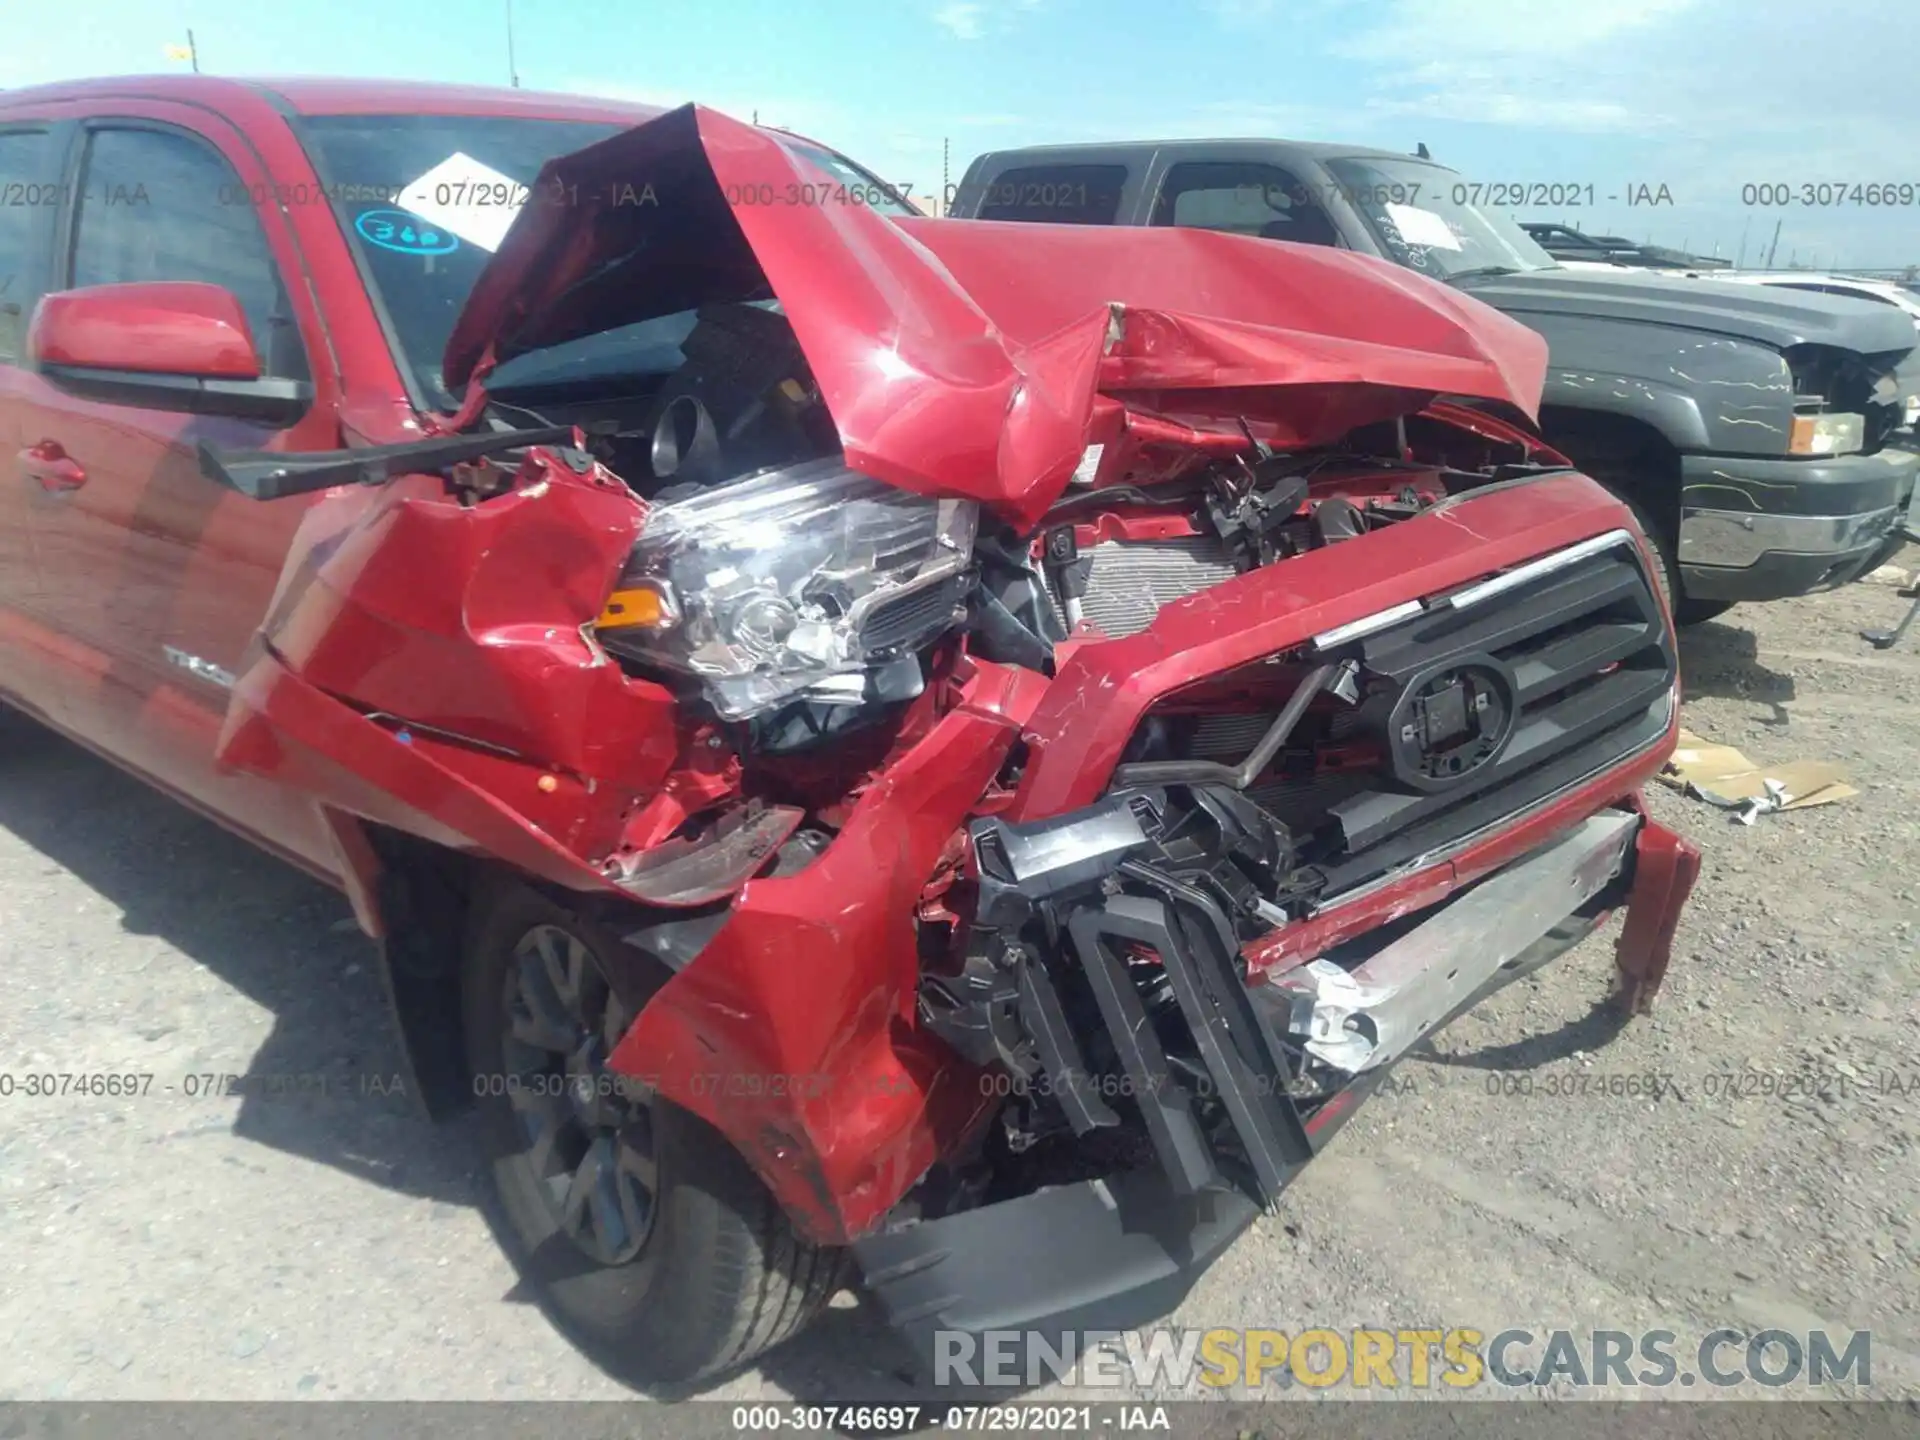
x,y
1747,427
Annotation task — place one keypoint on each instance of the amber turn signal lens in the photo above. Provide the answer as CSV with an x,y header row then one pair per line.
x,y
641,608
1827,434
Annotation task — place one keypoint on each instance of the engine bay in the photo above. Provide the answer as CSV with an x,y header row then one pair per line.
x,y
780,590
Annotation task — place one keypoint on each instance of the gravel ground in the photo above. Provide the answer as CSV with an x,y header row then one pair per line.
x,y
328,1245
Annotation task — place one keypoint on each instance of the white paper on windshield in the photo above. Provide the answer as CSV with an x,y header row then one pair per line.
x,y
474,201
1422,227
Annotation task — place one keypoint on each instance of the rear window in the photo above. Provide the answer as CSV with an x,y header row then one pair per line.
x,y
1050,194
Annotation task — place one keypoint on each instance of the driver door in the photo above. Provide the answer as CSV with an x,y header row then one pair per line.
x,y
29,635
161,577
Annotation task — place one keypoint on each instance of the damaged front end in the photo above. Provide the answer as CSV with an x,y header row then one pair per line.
x,y
1198,975
1070,707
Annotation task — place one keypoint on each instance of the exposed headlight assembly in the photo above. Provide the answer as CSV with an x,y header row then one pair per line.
x,y
772,585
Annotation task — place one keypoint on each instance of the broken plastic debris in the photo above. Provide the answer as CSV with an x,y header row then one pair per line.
x,y
1721,775
1754,806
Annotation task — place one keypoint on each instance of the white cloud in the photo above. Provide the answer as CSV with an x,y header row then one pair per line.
x,y
1481,94
1254,14
1702,95
1494,62
1238,13
963,19
1227,119
973,19
1430,31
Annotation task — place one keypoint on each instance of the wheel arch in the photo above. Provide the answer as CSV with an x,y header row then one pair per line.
x,y
422,902
1623,452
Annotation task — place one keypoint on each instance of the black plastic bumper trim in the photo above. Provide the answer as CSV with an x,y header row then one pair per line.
x,y
1780,576
1109,1254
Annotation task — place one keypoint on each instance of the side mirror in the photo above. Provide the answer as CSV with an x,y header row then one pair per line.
x,y
161,345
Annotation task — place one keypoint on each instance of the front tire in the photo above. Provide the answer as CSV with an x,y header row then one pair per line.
x,y
1666,573
652,1244
1624,467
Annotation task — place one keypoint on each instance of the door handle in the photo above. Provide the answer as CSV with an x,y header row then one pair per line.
x,y
56,470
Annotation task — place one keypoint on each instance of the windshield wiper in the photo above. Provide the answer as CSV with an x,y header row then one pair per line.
x,y
1478,270
274,475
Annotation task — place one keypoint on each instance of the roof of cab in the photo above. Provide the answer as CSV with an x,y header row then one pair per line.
x,y
320,95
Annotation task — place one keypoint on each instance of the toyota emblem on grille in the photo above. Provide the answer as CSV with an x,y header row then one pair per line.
x,y
1451,721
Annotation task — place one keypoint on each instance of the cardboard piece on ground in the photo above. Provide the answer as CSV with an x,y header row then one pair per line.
x,y
1721,775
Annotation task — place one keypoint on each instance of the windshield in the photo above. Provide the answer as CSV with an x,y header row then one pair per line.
x,y
424,201
1424,217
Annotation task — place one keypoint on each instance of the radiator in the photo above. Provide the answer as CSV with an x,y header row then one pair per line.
x,y
1129,582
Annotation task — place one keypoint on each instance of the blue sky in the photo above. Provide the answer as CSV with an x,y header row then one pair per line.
x,y
1702,96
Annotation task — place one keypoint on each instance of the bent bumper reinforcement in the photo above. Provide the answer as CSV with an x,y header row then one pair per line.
x,y
1119,1252
1369,1015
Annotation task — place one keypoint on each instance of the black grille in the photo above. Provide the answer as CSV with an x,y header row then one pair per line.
x,y
1579,663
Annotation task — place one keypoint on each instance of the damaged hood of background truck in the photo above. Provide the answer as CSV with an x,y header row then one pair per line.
x,y
965,358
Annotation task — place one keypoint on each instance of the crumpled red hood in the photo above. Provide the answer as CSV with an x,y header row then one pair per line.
x,y
964,357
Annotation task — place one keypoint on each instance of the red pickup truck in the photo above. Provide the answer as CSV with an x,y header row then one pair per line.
x,y
954,750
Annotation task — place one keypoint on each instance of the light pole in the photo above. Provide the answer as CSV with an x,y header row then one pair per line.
x,y
513,74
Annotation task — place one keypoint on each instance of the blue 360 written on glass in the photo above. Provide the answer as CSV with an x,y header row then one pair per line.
x,y
397,230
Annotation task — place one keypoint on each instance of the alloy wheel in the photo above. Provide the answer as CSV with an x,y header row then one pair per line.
x,y
589,1129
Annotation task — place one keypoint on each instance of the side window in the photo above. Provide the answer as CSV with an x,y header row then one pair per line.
x,y
159,205
26,199
1054,194
1244,198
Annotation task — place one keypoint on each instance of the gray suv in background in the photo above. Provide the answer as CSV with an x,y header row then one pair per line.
x,y
1747,426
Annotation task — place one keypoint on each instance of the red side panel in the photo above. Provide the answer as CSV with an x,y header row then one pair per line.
x,y
424,665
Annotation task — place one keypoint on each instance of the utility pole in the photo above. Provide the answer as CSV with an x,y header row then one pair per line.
x,y
513,71
1774,249
946,146
1743,241
193,53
